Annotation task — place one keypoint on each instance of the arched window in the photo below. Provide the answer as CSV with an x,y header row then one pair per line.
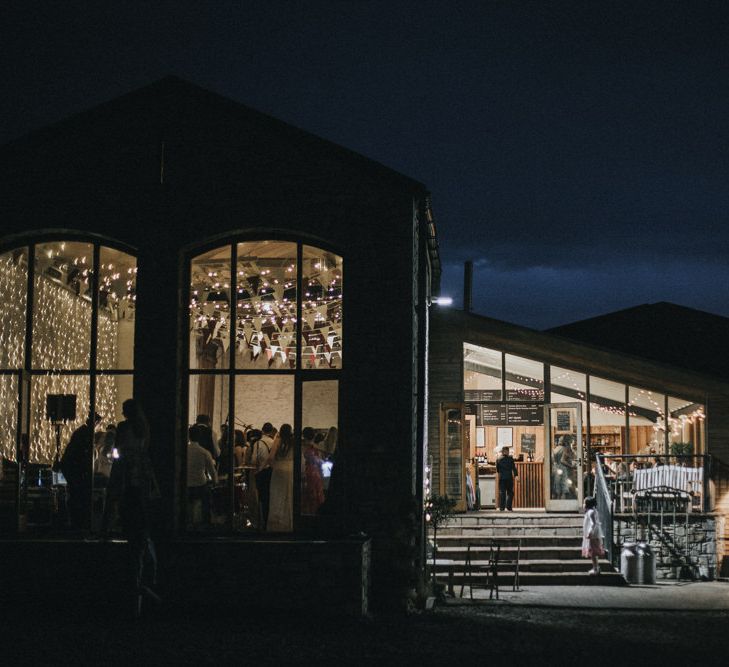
x,y
66,352
265,348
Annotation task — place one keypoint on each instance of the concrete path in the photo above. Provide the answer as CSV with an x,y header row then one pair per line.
x,y
683,596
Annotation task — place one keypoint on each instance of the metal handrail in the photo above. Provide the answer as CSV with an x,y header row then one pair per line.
x,y
604,508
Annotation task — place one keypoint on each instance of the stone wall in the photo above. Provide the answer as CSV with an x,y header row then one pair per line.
x,y
669,543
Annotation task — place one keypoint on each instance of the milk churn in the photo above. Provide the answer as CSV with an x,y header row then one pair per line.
x,y
646,563
629,562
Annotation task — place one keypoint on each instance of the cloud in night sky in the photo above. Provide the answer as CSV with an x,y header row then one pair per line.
x,y
577,151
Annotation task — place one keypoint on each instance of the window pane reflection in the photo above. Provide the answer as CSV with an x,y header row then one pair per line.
x,y
687,426
62,305
647,420
524,379
321,312
453,453
8,418
111,392
207,498
320,410
51,499
13,300
607,415
117,300
266,293
481,373
210,309
263,401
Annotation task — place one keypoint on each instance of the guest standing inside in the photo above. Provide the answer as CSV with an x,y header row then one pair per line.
x,y
260,457
76,466
200,472
281,460
240,448
132,477
205,436
313,492
506,469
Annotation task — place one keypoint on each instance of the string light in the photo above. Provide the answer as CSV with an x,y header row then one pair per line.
x,y
61,338
266,319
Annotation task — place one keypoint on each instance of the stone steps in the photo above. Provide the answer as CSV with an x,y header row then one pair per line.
x,y
515,530
549,548
474,521
542,566
509,540
508,552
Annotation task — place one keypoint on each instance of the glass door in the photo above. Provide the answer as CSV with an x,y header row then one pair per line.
x,y
452,458
563,488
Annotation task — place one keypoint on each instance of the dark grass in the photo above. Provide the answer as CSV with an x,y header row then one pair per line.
x,y
482,634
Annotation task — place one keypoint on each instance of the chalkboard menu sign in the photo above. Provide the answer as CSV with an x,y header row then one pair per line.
x,y
524,394
482,395
493,415
564,421
528,443
524,414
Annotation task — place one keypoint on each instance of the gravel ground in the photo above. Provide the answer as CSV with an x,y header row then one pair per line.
x,y
483,633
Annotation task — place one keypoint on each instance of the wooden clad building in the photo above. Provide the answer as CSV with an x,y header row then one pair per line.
x,y
495,384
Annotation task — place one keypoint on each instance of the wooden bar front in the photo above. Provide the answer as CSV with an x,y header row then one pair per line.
x,y
529,490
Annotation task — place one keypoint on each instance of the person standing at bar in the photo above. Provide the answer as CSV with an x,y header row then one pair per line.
x,y
506,468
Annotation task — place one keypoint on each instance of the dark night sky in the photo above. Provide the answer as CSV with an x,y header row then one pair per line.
x,y
577,152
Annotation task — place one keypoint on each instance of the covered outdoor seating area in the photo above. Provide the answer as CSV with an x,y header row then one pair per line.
x,y
634,479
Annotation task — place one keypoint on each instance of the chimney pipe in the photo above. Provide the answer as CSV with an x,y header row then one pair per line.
x,y
468,286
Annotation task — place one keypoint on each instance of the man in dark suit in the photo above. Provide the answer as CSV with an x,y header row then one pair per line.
x,y
506,468
76,466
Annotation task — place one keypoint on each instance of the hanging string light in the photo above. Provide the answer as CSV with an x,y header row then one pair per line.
x,y
266,310
62,311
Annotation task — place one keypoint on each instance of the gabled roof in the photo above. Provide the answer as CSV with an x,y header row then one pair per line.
x,y
211,140
162,103
663,332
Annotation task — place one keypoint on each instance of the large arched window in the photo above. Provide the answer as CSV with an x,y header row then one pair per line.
x,y
66,352
265,348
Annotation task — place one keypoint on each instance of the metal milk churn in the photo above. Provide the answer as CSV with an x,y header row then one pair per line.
x,y
646,563
629,563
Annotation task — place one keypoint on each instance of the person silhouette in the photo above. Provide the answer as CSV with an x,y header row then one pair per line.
x,y
77,465
133,481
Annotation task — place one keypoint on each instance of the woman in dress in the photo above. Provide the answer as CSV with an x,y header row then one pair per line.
x,y
281,458
313,492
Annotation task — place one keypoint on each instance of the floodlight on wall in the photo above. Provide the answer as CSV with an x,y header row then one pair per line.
x,y
442,300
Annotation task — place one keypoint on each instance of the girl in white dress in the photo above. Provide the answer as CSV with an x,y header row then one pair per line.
x,y
592,546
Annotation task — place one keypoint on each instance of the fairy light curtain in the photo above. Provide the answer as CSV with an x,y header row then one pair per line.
x,y
13,302
61,322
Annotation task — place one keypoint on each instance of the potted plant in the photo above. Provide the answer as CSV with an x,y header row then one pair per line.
x,y
681,448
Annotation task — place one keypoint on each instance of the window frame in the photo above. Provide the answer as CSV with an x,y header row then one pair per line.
x,y
301,523
29,241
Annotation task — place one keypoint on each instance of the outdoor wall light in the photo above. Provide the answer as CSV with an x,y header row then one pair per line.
x,y
442,300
